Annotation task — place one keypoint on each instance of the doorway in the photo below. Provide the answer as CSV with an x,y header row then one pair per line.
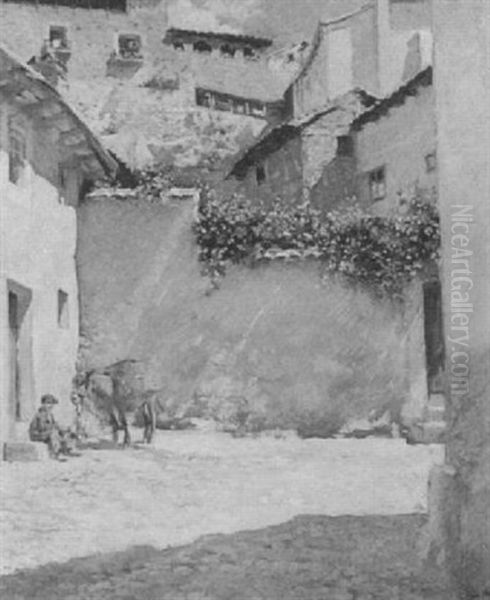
x,y
434,337
20,354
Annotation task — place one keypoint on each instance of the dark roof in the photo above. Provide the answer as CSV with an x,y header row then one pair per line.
x,y
14,70
174,34
381,107
274,137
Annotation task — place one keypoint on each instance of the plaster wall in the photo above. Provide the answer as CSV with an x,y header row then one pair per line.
x,y
279,336
38,237
462,33
399,141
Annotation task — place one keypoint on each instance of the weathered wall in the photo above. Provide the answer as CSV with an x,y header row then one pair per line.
x,y
284,175
410,14
37,238
319,146
462,33
274,335
343,56
92,33
393,44
146,113
336,185
399,141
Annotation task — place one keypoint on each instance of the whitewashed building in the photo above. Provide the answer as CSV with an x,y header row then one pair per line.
x,y
48,159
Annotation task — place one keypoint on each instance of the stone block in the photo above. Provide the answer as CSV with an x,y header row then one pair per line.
x,y
25,451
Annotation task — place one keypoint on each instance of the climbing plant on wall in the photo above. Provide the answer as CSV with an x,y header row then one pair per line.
x,y
383,253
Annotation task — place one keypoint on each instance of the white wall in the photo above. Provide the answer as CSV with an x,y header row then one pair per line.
x,y
38,239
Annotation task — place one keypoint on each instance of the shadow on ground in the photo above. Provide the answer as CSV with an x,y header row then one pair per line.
x,y
308,558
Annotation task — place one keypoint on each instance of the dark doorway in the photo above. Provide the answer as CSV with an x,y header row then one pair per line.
x,y
20,364
434,336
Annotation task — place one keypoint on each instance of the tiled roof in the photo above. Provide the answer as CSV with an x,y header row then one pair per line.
x,y
251,80
32,87
381,107
273,137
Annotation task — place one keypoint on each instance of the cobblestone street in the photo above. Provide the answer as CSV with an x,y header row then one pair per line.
x,y
193,484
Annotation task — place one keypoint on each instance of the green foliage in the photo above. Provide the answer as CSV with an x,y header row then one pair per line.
x,y
383,253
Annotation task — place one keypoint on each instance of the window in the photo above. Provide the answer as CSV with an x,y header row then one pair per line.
x,y
63,316
129,46
202,46
17,153
345,146
227,51
257,109
431,162
249,52
377,184
58,37
260,174
224,103
204,98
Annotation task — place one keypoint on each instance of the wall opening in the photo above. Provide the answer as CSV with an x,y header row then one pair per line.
x,y
377,184
63,310
20,355
202,46
129,46
58,37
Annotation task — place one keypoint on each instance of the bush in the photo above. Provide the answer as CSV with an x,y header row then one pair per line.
x,y
383,253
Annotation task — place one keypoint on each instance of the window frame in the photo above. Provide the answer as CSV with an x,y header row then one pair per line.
x,y
431,162
65,43
377,183
125,54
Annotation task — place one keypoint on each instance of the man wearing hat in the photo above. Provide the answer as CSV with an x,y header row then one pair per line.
x,y
43,428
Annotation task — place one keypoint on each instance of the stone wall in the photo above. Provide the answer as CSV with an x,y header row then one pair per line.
x,y
463,116
275,337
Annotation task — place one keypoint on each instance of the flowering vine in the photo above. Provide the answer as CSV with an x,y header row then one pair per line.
x,y
383,253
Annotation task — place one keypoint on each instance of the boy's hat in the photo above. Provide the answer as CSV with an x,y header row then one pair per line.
x,y
49,399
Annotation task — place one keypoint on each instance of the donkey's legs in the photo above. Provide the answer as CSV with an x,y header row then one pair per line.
x,y
115,427
151,416
125,428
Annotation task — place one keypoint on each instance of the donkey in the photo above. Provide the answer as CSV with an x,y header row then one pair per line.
x,y
118,398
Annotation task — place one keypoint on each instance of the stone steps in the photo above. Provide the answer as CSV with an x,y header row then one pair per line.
x,y
25,451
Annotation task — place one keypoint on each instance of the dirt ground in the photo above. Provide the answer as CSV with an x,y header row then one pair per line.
x,y
309,558
192,484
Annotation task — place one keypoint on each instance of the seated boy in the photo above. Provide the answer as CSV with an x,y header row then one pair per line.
x,y
43,428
